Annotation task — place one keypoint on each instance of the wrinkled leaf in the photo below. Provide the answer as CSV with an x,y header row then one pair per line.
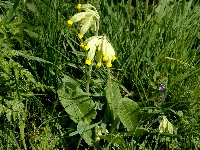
x,y
76,103
87,135
128,112
113,96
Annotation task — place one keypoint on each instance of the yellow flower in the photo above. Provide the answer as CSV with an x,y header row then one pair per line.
x,y
88,19
88,62
113,58
99,64
80,36
70,22
78,6
82,45
99,46
108,64
86,47
105,58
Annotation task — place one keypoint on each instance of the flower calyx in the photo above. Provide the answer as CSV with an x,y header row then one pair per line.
x,y
101,47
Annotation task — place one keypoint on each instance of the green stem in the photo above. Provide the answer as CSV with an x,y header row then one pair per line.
x,y
111,94
109,80
88,78
96,34
146,8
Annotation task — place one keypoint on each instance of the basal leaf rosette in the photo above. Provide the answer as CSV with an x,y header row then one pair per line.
x,y
88,19
101,47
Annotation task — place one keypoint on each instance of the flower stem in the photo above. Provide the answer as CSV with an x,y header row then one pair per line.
x,y
96,34
109,80
111,94
88,78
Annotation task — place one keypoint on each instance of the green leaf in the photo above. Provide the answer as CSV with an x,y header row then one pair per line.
x,y
12,10
116,139
128,112
113,96
31,33
88,127
76,103
137,132
87,135
31,6
33,57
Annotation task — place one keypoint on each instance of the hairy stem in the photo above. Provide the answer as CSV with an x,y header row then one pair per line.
x,y
111,93
88,79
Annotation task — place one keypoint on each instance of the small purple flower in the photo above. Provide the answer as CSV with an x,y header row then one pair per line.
x,y
162,96
161,87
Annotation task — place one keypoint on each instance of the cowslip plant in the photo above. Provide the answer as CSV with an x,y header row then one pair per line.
x,y
78,105
97,45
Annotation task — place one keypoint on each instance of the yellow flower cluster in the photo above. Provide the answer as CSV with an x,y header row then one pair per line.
x,y
85,47
99,46
88,19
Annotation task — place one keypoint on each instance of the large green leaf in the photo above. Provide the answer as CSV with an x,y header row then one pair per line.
x,y
76,103
128,112
113,96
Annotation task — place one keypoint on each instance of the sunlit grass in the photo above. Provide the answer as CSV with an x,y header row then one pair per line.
x,y
154,48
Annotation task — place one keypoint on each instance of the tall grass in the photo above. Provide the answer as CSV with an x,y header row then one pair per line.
x,y
157,43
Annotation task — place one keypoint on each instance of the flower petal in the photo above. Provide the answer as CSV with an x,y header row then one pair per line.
x,y
80,36
70,22
79,6
99,64
88,61
109,64
87,6
86,25
79,16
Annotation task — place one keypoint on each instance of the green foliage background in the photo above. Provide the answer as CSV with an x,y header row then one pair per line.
x,y
43,103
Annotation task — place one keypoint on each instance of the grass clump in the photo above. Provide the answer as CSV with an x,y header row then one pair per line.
x,y
148,98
